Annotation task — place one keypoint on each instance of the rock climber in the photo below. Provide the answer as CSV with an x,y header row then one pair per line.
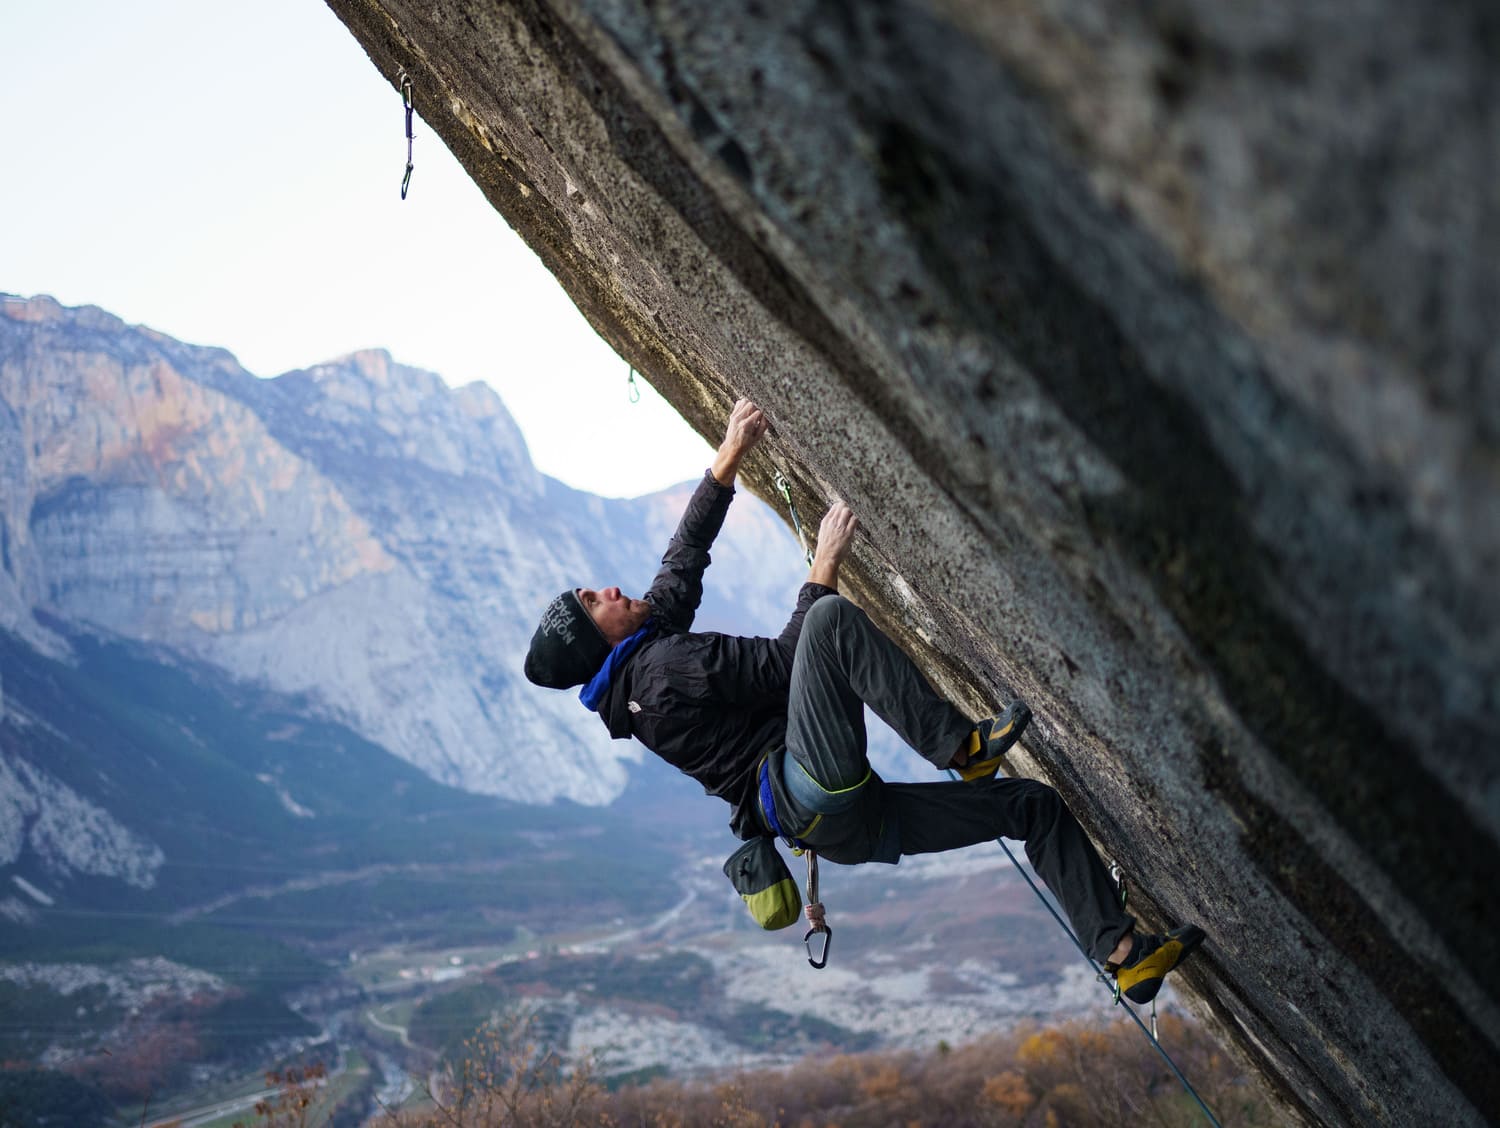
x,y
775,726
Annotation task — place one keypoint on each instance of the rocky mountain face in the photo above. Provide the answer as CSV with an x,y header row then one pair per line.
x,y
355,533
1155,345
66,833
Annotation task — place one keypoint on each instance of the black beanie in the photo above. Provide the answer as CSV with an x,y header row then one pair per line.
x,y
568,647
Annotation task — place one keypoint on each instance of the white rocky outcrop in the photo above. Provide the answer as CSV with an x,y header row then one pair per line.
x,y
131,984
67,833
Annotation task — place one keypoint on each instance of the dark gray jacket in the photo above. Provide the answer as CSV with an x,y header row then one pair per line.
x,y
709,704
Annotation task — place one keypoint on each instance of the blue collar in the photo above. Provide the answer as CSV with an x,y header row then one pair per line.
x,y
594,692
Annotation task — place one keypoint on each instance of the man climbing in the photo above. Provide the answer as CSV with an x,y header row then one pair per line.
x,y
775,726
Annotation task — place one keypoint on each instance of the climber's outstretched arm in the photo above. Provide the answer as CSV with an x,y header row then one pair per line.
x,y
834,537
747,426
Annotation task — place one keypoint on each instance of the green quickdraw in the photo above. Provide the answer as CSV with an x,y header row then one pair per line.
x,y
785,489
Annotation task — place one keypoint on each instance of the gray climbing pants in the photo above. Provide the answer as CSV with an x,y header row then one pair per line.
x,y
827,794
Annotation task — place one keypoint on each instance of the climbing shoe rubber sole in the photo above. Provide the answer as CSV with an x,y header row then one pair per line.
x,y
1143,979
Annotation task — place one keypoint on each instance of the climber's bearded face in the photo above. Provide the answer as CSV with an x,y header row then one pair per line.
x,y
616,615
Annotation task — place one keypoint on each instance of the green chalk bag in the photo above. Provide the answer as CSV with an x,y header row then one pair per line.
x,y
760,877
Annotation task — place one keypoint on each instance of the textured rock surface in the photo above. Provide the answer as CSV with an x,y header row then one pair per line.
x,y
356,533
1155,345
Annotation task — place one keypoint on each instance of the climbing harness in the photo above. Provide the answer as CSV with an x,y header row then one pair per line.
x,y
768,808
633,387
785,489
404,80
816,916
1104,977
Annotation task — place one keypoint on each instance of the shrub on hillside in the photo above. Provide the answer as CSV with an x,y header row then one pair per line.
x,y
152,1060
1076,1074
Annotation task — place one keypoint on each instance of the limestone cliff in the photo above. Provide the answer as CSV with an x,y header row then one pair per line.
x,y
1154,343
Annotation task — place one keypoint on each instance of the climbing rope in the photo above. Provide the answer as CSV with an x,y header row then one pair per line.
x,y
404,81
1100,974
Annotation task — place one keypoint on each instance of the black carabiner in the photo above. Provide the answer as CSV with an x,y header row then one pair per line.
x,y
819,961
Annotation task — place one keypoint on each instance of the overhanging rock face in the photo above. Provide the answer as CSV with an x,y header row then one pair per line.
x,y
1155,346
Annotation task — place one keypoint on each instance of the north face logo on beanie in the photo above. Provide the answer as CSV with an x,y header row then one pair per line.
x,y
568,648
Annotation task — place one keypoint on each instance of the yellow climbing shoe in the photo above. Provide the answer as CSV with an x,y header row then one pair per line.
x,y
991,739
1151,957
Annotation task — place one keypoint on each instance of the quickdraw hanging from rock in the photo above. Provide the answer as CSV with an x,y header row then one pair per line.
x,y
404,81
785,489
633,389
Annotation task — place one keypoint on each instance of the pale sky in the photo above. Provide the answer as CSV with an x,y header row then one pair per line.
x,y
230,175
